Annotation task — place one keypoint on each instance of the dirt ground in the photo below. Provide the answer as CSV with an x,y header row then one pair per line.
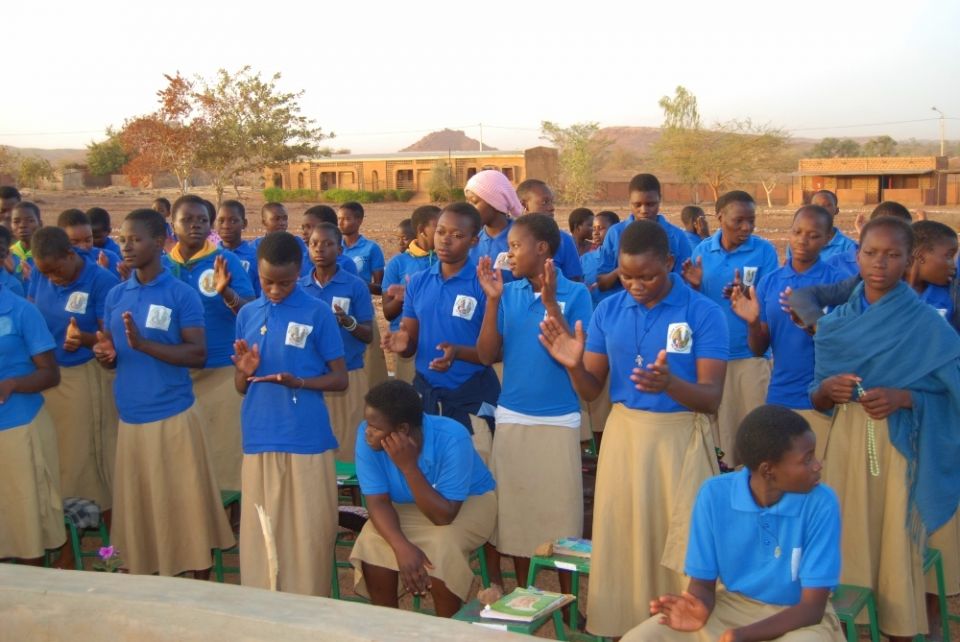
x,y
380,225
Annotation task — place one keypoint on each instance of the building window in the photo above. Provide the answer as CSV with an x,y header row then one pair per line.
x,y
300,180
328,180
470,172
278,180
375,180
405,179
508,172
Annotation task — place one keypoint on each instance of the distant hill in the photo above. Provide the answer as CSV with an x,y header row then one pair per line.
x,y
55,156
447,140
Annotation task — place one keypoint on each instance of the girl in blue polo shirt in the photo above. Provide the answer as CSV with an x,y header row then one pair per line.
x,y
71,294
224,287
417,256
288,353
665,348
230,223
536,448
491,192
442,315
430,499
24,221
153,334
894,442
349,299
7,260
770,328
30,499
734,257
770,533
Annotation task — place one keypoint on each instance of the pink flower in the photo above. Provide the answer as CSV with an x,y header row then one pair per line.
x,y
105,553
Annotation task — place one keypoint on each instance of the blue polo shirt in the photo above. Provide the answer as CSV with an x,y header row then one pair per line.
x,y
111,246
11,282
366,255
447,459
496,248
693,239
148,389
766,554
755,259
792,347
23,335
590,261
301,338
220,320
610,250
938,297
448,310
844,262
353,297
399,270
83,300
567,257
247,254
839,245
686,324
549,392
113,260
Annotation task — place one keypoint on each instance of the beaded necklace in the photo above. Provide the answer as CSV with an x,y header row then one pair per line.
x,y
871,440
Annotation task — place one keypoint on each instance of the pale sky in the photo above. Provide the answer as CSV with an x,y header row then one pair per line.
x,y
383,74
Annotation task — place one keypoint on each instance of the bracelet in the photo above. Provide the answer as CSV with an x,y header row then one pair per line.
x,y
352,325
302,383
234,302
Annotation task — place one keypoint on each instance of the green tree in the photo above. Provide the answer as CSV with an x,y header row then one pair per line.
x,y
9,162
250,124
33,171
582,151
880,146
682,139
836,148
442,182
106,157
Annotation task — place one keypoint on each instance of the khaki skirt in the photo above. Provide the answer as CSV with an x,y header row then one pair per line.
x,y
447,547
74,406
539,486
820,425
167,514
219,403
299,495
877,550
406,368
598,410
374,361
346,412
947,540
650,469
109,421
744,388
30,501
731,611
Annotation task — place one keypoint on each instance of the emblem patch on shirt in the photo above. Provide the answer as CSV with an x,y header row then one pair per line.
x,y
795,563
502,262
342,302
158,317
245,265
207,283
358,261
563,308
943,312
297,334
6,326
679,338
749,275
464,307
77,303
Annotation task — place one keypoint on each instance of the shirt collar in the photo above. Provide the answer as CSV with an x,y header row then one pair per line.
x,y
133,283
340,276
360,241
484,233
741,498
714,244
467,272
207,249
6,298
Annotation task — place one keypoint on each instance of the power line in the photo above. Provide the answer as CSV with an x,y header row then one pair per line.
x,y
892,122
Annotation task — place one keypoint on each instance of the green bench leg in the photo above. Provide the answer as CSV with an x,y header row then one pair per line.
x,y
874,621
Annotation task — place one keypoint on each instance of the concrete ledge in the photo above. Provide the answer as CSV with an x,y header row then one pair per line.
x,y
47,604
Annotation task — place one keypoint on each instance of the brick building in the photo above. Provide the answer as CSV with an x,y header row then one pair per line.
x,y
868,181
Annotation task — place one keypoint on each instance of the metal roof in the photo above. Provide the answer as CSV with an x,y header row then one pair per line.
x,y
336,158
866,172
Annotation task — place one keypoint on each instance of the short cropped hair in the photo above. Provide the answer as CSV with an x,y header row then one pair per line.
x,y
422,216
891,208
191,199
766,434
280,248
612,218
541,228
645,183
99,216
331,228
236,206
153,220
272,206
467,211
578,217
72,218
828,194
28,206
891,223
50,243
9,192
406,227
529,185
644,236
6,236
354,208
690,213
735,196
927,234
160,200
398,401
323,213
821,213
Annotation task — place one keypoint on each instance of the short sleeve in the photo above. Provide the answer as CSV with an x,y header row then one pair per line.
x,y
701,562
239,277
596,335
348,266
326,336
770,260
570,259
608,251
36,335
376,258
191,308
362,302
391,275
370,471
109,305
456,468
711,336
32,284
681,247
501,316
409,299
102,284
579,306
820,557
763,293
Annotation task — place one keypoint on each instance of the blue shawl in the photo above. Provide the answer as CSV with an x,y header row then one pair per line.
x,y
901,342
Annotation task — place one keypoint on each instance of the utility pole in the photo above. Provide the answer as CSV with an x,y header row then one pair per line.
x,y
943,148
481,138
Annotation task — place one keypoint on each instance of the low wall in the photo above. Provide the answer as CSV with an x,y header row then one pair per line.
x,y
48,604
